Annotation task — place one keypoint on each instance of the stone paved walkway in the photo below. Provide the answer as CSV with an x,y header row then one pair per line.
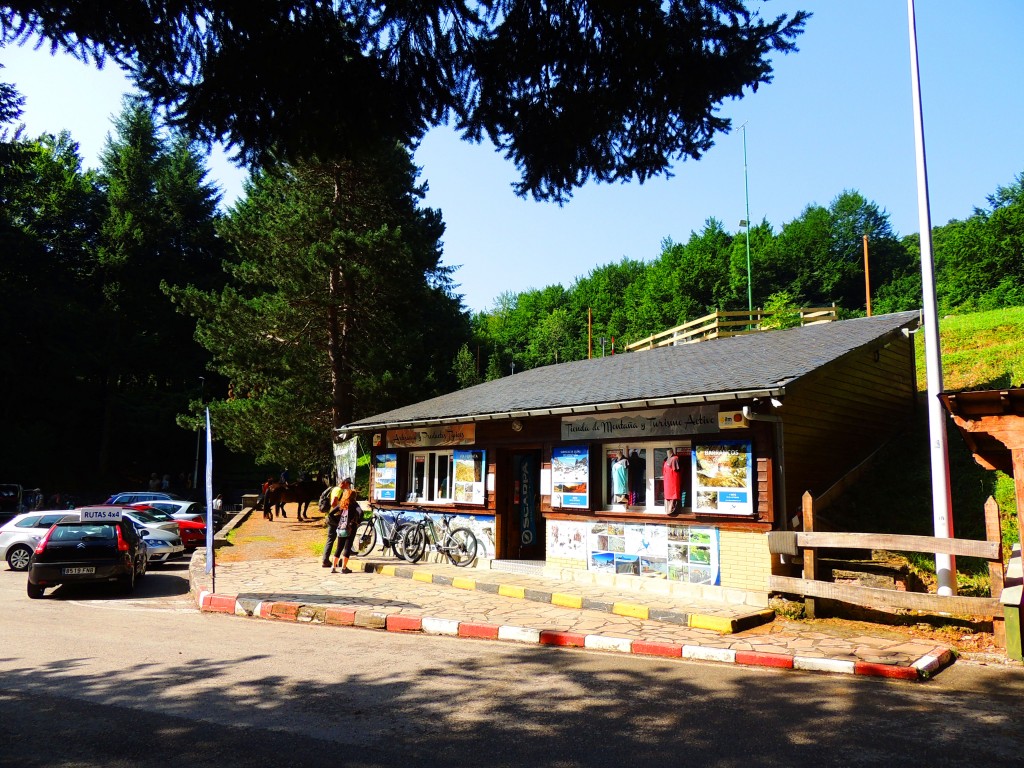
x,y
387,594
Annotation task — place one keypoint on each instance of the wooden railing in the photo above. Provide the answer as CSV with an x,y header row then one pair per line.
x,y
808,542
723,323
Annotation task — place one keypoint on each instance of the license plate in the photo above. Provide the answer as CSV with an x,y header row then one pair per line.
x,y
75,571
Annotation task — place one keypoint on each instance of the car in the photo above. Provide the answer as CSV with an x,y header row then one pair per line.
x,y
192,532
163,546
177,508
134,497
100,546
163,535
19,536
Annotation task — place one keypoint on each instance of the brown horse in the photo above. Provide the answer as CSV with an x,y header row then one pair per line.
x,y
303,493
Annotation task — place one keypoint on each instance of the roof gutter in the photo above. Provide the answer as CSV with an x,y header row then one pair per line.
x,y
573,410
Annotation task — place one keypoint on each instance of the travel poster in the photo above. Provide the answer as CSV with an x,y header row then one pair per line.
x,y
570,477
385,476
673,552
567,539
469,477
722,478
693,554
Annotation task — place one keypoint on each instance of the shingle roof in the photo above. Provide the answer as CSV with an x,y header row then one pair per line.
x,y
715,370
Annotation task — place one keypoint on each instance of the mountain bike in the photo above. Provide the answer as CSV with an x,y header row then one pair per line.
x,y
458,545
385,524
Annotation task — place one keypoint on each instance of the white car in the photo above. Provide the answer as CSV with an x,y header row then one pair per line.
x,y
162,545
19,536
180,510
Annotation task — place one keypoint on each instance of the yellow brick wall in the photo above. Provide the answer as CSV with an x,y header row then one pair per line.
x,y
744,560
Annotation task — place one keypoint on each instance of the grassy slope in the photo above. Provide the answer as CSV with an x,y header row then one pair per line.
x,y
984,350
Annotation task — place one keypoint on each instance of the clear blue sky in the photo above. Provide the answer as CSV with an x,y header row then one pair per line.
x,y
838,116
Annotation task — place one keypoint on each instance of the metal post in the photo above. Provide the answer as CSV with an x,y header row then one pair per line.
x,y
867,276
942,508
746,193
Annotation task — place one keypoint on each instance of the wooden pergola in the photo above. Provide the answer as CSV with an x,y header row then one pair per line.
x,y
992,424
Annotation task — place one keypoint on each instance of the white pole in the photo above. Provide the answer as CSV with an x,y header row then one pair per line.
x,y
746,193
942,509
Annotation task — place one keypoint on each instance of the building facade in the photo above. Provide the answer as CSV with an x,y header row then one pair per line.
x,y
668,464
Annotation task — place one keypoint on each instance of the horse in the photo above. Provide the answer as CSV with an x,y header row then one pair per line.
x,y
303,493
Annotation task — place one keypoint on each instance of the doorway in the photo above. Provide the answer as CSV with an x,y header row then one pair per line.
x,y
524,529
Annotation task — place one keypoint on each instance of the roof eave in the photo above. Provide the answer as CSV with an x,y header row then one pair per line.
x,y
573,410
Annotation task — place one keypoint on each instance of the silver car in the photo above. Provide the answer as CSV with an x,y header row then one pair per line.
x,y
163,545
19,536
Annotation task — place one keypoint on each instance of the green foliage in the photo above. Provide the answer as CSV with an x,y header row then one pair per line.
x,y
464,368
336,307
649,77
784,312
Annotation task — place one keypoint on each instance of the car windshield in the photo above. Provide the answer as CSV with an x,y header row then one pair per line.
x,y
145,516
89,532
153,514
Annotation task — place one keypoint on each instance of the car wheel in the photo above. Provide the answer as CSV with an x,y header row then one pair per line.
x,y
18,558
35,591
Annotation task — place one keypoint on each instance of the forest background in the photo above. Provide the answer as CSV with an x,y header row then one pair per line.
x,y
131,300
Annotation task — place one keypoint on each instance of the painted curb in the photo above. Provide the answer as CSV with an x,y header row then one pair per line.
x,y
721,624
209,602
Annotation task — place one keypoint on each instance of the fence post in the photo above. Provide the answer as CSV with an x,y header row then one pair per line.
x,y
810,569
994,532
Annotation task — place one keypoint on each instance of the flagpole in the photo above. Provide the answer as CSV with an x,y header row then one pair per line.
x,y
942,508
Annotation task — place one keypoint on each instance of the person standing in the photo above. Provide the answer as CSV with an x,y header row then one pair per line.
x,y
341,524
218,507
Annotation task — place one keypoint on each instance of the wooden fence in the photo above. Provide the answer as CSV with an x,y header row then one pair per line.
x,y
721,324
808,542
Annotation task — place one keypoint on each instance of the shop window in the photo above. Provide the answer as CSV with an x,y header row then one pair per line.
x,y
431,476
634,476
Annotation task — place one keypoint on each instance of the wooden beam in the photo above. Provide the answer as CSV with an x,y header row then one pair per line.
x,y
994,532
987,550
810,556
888,599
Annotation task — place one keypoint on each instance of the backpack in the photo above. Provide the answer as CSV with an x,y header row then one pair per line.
x,y
324,503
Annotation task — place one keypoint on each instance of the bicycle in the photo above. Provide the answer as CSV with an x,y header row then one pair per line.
x,y
458,545
384,523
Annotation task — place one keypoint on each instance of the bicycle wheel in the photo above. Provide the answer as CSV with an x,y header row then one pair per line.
x,y
414,543
460,547
365,539
398,539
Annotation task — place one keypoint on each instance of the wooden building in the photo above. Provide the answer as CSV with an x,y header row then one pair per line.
x,y
738,428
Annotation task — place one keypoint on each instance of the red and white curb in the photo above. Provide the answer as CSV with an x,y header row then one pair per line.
x,y
921,669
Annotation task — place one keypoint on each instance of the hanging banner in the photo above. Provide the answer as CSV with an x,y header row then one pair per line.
x,y
345,455
723,478
669,421
570,477
209,495
527,498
